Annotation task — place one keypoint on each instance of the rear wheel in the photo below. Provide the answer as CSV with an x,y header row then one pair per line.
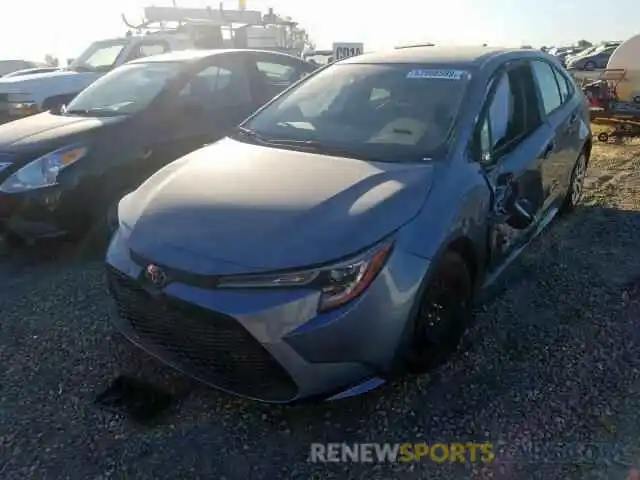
x,y
443,315
576,184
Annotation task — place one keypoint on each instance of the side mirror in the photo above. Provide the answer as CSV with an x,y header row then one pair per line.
x,y
58,109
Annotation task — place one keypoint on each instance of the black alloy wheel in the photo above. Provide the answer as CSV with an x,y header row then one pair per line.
x,y
443,315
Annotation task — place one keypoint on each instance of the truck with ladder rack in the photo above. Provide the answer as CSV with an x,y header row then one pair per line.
x,y
163,29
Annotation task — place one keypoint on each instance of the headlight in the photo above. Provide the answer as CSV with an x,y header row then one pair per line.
x,y
23,108
339,283
21,103
43,172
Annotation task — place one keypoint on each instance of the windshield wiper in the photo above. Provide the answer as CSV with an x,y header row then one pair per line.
x,y
274,141
312,145
93,112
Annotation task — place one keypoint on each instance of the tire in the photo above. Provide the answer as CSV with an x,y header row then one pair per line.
x,y
589,66
576,184
447,299
603,137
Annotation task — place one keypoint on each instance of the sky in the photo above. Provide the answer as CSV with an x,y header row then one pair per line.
x,y
33,28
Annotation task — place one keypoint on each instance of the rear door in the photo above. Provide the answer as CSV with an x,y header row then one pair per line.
x,y
560,110
512,141
272,73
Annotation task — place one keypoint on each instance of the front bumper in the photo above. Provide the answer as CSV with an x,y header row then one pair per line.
x,y
270,346
35,214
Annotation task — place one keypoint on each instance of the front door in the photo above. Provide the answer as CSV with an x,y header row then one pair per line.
x,y
513,142
211,101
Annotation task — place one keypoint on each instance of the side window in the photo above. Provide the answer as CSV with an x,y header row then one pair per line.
x,y
274,73
507,118
563,85
547,85
218,87
148,49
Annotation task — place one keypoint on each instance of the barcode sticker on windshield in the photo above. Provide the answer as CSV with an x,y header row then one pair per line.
x,y
439,74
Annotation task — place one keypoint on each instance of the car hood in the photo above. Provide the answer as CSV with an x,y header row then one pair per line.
x,y
233,208
34,131
54,83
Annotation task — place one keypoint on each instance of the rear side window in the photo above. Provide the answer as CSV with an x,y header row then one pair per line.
x,y
562,84
565,84
218,86
276,73
548,86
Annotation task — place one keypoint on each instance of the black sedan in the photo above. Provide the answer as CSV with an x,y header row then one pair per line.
x,y
63,171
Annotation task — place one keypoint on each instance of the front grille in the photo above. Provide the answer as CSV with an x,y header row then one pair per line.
x,y
209,346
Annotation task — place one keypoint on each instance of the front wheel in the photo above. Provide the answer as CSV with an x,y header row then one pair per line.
x,y
442,315
576,184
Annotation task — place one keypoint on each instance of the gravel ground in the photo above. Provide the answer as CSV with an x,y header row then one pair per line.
x,y
553,359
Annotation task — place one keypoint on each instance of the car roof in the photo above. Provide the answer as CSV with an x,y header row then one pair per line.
x,y
194,55
469,57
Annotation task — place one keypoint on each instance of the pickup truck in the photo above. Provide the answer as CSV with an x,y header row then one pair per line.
x,y
29,94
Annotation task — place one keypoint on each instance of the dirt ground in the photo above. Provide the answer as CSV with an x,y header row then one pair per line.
x,y
552,361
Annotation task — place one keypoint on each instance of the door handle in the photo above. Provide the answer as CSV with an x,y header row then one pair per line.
x,y
548,150
573,119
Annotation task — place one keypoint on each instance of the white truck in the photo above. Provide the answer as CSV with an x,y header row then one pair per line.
x,y
196,28
28,94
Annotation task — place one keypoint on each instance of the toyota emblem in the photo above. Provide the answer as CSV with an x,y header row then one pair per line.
x,y
155,275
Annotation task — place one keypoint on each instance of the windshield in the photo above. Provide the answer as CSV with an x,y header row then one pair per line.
x,y
100,56
126,90
391,112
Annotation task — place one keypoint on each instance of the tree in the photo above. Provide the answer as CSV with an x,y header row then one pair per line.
x,y
51,60
584,44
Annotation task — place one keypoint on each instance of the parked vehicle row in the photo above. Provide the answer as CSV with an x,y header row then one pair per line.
x,y
197,28
590,58
597,58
